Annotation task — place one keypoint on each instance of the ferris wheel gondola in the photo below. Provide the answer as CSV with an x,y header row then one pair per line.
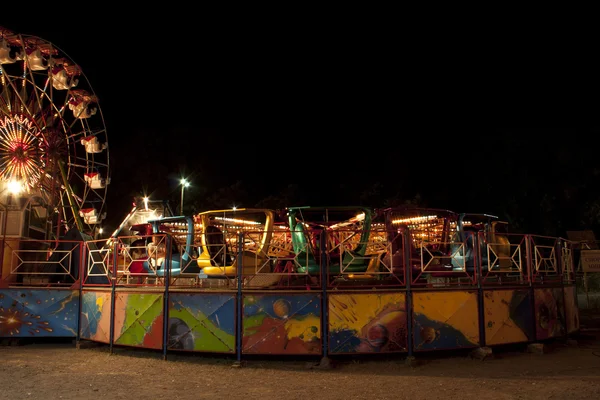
x,y
53,141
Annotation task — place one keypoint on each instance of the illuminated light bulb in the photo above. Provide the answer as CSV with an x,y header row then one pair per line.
x,y
15,187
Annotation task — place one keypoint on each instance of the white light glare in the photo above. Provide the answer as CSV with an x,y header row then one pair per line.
x,y
14,187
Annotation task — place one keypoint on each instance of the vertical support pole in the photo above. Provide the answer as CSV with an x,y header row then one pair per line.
x,y
324,299
480,298
586,289
529,265
406,246
4,222
240,267
167,274
558,249
112,296
82,264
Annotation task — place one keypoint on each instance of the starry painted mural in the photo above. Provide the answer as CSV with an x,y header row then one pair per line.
x,y
36,313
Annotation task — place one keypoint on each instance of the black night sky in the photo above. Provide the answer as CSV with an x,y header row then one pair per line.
x,y
297,121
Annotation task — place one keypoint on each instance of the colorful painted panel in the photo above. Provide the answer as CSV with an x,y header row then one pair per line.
x,y
445,320
549,313
571,309
508,316
95,316
139,319
367,323
202,322
37,313
281,324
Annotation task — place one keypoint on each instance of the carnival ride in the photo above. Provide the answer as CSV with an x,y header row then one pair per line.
x,y
222,253
351,280
54,162
126,250
338,234
315,281
428,233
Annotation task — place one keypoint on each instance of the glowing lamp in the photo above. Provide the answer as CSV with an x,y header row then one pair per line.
x,y
15,187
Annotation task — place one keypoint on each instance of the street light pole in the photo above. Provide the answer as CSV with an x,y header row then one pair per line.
x,y
184,184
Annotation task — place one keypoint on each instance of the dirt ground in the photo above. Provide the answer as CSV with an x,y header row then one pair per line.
x,y
566,370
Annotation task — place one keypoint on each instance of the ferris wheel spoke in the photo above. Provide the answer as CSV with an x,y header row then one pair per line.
x,y
59,184
87,163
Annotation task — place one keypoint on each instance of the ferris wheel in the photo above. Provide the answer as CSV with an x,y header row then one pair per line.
x,y
53,142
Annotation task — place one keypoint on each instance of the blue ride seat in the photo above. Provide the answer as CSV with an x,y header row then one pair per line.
x,y
178,263
189,266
